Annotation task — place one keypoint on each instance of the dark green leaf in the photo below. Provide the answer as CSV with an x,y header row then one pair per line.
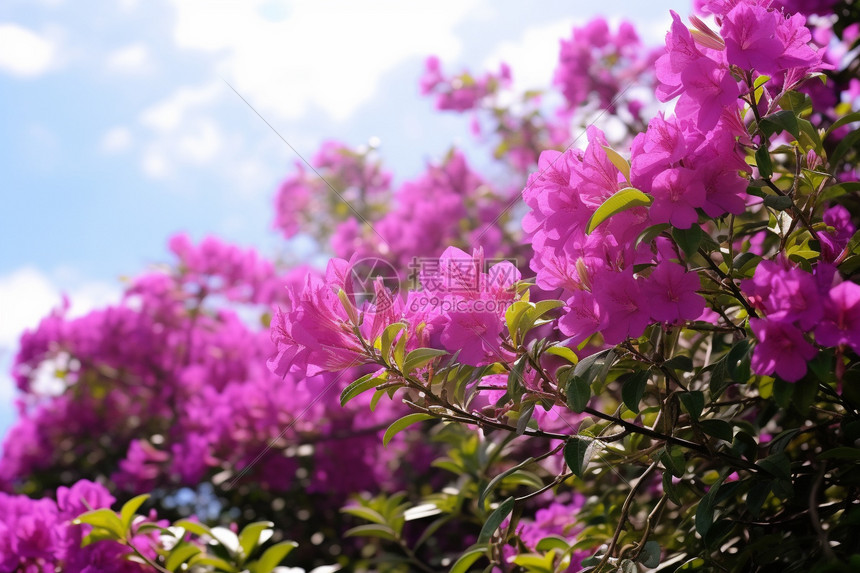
x,y
688,240
495,520
778,202
525,417
718,428
694,402
780,121
670,489
762,160
578,393
673,460
841,453
705,510
650,555
577,454
633,389
756,497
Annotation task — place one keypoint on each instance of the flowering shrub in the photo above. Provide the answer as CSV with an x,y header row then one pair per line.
x,y
655,367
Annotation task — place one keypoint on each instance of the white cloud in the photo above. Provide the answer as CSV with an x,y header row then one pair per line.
x,y
330,53
130,59
534,56
23,52
116,140
169,113
27,295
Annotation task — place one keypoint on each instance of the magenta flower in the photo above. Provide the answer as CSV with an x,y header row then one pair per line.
x,y
677,193
781,348
671,292
841,322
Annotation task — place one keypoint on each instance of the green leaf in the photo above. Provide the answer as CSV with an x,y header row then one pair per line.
x,y
212,561
688,240
402,424
468,558
578,394
525,416
129,509
496,480
778,202
763,162
515,379
181,553
372,530
694,402
564,352
421,357
717,428
618,161
514,314
673,460
553,542
650,555
670,489
844,120
273,556
194,527
620,201
633,388
705,510
777,465
495,520
577,454
105,519
399,351
387,338
364,512
758,86
841,453
756,497
844,147
780,121
360,386
691,564
249,537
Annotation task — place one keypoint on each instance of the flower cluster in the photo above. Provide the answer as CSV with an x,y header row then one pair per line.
x,y
38,534
601,64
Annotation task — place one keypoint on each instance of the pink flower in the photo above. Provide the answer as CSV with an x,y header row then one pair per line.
x,y
671,292
841,322
677,193
781,348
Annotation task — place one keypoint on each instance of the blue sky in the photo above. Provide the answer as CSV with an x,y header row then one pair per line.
x,y
117,130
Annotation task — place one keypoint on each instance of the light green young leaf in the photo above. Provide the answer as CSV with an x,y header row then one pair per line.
x,y
402,424
620,201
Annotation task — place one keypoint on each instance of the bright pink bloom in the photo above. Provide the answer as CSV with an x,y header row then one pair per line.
x,y
841,322
677,193
781,348
671,292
